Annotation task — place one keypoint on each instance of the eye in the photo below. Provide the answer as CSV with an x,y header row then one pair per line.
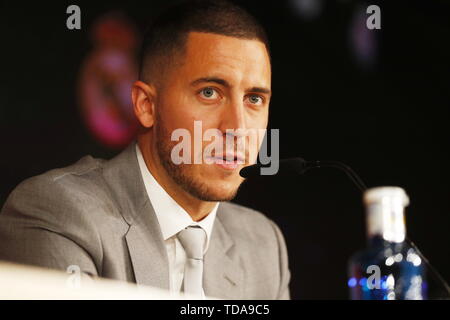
x,y
255,99
208,93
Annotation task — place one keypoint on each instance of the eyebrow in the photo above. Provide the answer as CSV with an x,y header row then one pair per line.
x,y
211,79
260,90
226,84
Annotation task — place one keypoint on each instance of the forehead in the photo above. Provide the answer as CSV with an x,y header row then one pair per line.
x,y
238,60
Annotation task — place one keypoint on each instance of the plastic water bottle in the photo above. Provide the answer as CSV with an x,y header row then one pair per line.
x,y
388,269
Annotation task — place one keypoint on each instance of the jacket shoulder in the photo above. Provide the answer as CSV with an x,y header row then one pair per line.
x,y
58,191
81,167
50,220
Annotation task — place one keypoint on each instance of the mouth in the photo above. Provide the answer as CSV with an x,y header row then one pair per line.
x,y
228,161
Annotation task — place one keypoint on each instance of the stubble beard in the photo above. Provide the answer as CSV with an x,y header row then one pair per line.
x,y
182,174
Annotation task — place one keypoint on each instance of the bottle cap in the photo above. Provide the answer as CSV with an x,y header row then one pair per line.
x,y
385,213
380,193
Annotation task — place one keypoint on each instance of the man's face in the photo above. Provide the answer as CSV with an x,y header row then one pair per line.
x,y
224,82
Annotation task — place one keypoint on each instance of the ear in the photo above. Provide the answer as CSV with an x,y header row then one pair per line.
x,y
144,97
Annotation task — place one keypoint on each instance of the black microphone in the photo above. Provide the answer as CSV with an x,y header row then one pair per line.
x,y
300,166
285,166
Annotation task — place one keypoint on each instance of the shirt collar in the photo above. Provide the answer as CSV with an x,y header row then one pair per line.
x,y
171,216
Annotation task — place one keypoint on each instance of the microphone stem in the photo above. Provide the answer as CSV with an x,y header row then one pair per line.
x,y
342,166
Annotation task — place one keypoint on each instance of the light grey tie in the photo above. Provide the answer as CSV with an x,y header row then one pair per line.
x,y
192,239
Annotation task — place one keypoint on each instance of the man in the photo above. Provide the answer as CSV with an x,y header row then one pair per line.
x,y
143,217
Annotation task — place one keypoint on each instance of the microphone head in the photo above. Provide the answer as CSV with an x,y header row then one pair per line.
x,y
285,166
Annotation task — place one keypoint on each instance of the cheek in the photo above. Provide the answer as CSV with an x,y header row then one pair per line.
x,y
175,112
181,110
258,126
258,121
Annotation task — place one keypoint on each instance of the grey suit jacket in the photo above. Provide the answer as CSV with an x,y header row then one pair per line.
x,y
96,214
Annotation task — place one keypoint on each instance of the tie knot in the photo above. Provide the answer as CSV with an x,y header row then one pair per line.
x,y
192,239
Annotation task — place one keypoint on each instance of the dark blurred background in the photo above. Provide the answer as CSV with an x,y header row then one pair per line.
x,y
377,100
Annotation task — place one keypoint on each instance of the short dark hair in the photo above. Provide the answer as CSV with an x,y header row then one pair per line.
x,y
165,40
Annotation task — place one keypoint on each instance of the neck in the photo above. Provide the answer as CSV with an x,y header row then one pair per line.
x,y
196,208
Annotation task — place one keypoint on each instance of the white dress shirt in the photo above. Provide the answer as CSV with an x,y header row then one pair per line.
x,y
172,219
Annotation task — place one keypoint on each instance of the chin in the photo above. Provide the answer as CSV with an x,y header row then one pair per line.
x,y
207,183
221,195
220,190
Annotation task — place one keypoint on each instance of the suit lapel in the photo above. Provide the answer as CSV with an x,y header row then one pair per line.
x,y
223,275
147,250
144,238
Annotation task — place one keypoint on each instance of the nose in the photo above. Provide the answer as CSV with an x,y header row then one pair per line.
x,y
233,118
